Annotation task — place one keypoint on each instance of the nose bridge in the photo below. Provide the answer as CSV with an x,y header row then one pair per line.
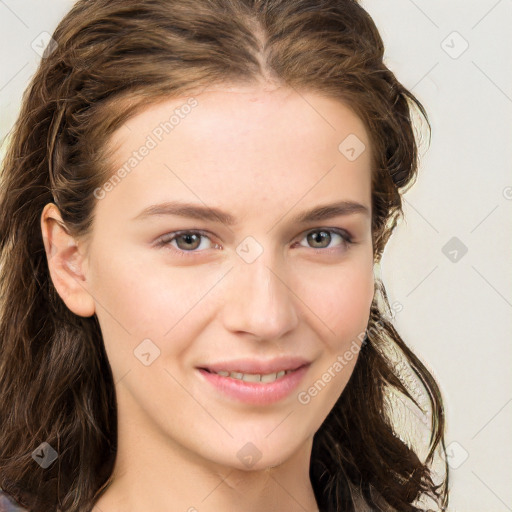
x,y
259,300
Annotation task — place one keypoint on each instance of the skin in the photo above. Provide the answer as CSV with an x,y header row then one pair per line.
x,y
262,155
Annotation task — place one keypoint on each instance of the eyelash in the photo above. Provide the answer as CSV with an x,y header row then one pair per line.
x,y
165,240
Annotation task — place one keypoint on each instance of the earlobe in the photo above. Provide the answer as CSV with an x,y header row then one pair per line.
x,y
65,263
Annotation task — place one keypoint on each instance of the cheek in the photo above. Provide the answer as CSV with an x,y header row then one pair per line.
x,y
341,299
137,305
139,301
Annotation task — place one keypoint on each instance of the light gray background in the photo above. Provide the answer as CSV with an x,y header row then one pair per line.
x,y
456,307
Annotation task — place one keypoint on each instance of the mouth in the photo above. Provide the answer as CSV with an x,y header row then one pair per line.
x,y
261,389
253,377
256,370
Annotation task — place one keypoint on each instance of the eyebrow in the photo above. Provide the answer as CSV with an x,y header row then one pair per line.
x,y
205,213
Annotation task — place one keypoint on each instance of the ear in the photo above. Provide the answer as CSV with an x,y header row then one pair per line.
x,y
65,263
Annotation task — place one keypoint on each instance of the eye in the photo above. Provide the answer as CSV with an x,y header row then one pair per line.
x,y
321,238
183,242
186,241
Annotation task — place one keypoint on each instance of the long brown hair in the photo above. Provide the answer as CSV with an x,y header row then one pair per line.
x,y
109,60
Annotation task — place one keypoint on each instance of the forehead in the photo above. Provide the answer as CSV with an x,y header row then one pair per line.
x,y
246,111
240,143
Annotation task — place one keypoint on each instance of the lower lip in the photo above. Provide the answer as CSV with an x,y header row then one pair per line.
x,y
253,392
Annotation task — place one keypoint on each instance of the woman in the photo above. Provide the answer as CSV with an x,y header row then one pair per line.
x,y
195,198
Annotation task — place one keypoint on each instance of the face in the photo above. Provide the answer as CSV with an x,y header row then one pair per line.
x,y
238,265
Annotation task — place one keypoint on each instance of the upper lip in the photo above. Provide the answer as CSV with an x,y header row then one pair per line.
x,y
257,366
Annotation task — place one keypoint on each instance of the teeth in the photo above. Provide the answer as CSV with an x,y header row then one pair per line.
x,y
254,377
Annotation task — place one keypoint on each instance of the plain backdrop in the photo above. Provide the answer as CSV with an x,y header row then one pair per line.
x,y
448,263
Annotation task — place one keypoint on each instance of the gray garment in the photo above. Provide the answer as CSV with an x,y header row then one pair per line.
x,y
7,504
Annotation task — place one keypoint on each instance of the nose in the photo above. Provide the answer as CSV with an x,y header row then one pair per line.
x,y
259,301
